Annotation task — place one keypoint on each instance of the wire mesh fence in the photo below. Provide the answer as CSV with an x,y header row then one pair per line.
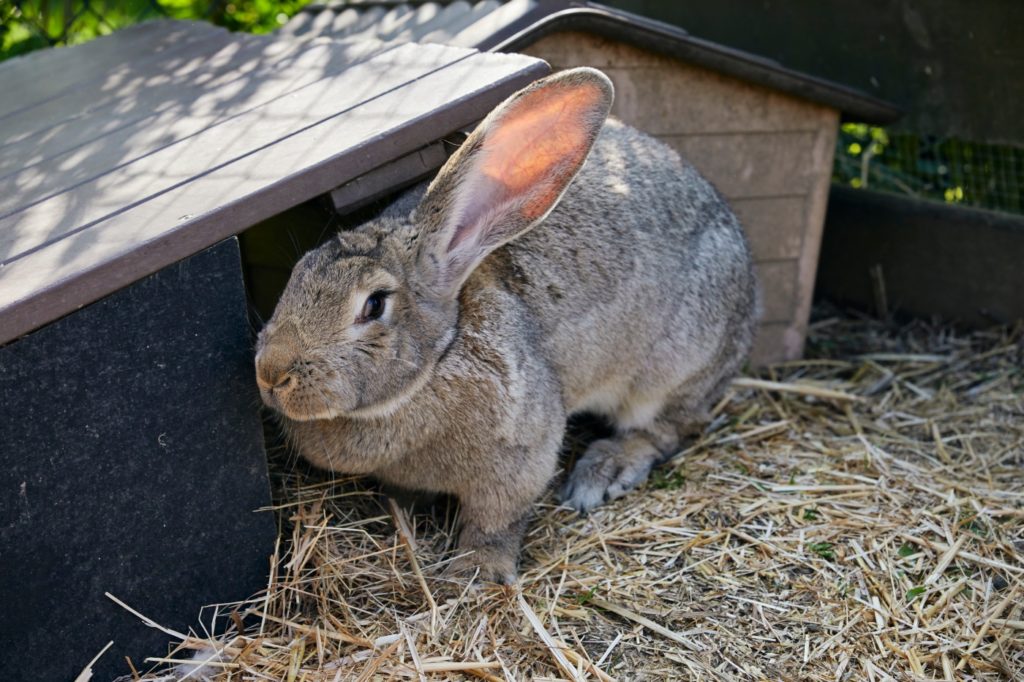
x,y
942,168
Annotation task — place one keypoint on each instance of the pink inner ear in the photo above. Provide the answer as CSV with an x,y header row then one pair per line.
x,y
541,140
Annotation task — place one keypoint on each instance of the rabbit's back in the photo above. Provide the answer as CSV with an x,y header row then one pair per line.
x,y
640,279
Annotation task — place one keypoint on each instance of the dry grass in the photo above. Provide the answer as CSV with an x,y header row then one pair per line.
x,y
860,518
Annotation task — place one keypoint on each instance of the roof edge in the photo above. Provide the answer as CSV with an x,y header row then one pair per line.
x,y
560,15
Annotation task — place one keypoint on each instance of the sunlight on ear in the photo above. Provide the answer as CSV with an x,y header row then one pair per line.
x,y
543,138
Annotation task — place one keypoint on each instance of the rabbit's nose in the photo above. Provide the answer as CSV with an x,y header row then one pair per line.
x,y
273,370
279,386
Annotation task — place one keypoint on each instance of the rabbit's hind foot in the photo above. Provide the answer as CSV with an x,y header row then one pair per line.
x,y
610,468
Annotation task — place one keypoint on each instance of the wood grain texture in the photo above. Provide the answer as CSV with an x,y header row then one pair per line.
x,y
189,85
664,96
775,226
97,67
229,119
747,165
779,284
517,25
770,342
822,157
191,148
385,179
566,49
767,151
115,94
108,231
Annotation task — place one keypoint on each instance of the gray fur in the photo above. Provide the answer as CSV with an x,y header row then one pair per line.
x,y
633,298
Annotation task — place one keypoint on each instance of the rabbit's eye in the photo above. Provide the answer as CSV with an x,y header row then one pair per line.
x,y
374,306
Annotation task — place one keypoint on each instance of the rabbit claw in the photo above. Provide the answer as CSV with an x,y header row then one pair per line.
x,y
483,567
606,472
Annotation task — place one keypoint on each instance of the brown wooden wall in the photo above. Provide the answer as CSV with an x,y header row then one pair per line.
x,y
770,154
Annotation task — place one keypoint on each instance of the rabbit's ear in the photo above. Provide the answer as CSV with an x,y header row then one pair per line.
x,y
510,173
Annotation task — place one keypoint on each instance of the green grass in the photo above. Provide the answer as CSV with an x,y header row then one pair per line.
x,y
35,24
823,549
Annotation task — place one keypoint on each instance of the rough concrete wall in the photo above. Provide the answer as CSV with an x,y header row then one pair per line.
x,y
770,154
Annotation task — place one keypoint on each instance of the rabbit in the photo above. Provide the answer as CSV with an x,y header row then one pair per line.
x,y
442,347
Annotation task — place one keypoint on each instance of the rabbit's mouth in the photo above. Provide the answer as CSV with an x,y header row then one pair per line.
x,y
300,395
298,406
323,413
305,399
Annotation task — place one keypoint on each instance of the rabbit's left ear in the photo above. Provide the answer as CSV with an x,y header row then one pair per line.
x,y
510,173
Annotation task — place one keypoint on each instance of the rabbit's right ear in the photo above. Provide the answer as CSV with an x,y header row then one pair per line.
x,y
509,174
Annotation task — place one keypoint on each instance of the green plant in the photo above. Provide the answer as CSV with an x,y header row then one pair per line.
x,y
667,480
943,168
823,549
34,24
584,598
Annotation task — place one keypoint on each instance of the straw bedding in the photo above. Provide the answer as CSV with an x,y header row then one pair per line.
x,y
858,515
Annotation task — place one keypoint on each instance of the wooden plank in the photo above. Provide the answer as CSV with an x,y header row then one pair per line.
x,y
774,225
744,165
130,91
216,84
490,18
821,158
433,16
213,147
394,22
389,177
683,99
774,342
778,280
359,26
566,49
676,43
435,22
208,107
456,22
299,24
69,63
94,262
72,70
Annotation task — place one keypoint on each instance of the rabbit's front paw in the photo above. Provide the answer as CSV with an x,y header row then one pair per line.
x,y
609,469
494,554
486,565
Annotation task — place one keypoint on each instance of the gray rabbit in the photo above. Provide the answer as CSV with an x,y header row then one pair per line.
x,y
443,349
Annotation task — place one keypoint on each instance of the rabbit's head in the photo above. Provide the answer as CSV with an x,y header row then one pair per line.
x,y
366,316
